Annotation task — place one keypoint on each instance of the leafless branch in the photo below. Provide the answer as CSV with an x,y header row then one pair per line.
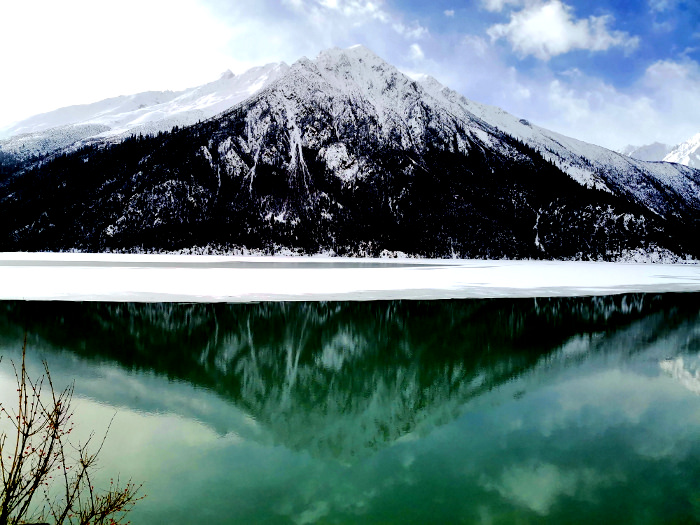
x,y
38,457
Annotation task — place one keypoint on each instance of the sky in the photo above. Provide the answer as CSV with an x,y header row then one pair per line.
x,y
610,72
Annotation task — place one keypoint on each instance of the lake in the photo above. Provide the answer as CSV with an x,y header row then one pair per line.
x,y
508,410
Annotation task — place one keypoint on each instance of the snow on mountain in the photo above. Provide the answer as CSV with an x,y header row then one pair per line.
x,y
592,166
687,153
342,81
305,151
358,77
147,112
405,112
651,152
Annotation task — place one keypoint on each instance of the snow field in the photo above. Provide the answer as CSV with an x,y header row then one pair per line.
x,y
187,278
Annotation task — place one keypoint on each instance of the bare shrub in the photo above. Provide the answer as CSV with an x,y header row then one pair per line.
x,y
45,476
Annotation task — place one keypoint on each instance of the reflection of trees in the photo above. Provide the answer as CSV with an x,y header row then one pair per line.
x,y
339,379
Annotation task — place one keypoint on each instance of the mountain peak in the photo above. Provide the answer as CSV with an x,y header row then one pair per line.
x,y
429,83
651,152
358,51
687,153
357,54
346,153
227,75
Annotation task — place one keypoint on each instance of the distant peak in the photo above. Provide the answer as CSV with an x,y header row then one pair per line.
x,y
226,75
428,80
695,138
303,61
687,153
351,60
428,83
692,141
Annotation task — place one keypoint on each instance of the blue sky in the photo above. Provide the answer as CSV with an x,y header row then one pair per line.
x,y
609,72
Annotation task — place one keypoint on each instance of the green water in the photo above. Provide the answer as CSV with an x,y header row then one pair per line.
x,y
499,411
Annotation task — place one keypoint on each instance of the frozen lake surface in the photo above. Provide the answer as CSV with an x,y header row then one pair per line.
x,y
191,278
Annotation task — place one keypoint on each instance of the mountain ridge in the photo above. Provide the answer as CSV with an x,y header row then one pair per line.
x,y
147,112
686,153
348,155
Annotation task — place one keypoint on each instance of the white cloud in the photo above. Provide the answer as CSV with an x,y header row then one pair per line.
x,y
350,8
415,52
81,51
660,6
414,31
668,73
78,51
546,29
476,45
498,5
663,106
675,89
539,486
449,12
358,8
356,12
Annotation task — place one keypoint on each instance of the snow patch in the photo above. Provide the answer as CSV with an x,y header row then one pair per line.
x,y
687,153
339,161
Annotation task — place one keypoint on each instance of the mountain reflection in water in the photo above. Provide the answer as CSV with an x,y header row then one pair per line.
x,y
343,381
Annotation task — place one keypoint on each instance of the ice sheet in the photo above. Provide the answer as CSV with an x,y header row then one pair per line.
x,y
190,278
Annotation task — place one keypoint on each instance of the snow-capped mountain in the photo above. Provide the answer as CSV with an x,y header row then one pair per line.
x,y
146,113
654,152
687,153
347,154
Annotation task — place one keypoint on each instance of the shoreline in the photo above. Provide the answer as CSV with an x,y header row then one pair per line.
x,y
217,278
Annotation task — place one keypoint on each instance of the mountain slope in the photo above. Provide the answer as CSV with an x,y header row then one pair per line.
x,y
346,154
148,112
664,189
